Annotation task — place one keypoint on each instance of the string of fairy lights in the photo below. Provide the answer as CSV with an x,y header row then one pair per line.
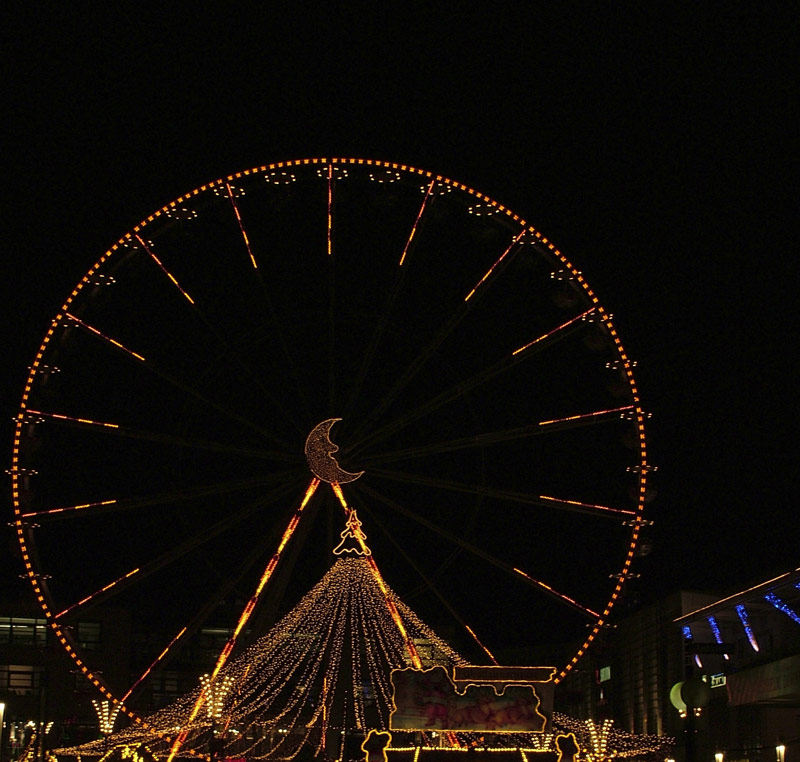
x,y
290,690
287,690
323,669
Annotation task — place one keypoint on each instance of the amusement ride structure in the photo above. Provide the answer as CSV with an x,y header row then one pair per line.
x,y
492,446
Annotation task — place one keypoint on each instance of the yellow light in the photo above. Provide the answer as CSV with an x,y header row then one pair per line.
x,y
552,333
492,268
98,592
226,651
416,223
241,225
164,269
114,342
80,507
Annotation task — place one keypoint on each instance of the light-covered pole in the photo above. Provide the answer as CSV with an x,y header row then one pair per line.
x,y
2,724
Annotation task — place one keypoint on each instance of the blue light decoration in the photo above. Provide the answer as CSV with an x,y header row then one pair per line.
x,y
687,636
782,606
717,634
745,620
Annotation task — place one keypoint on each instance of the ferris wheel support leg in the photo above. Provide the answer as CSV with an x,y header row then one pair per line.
x,y
248,610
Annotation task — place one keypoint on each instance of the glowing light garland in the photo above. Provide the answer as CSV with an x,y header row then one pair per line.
x,y
717,634
291,690
781,605
745,620
295,678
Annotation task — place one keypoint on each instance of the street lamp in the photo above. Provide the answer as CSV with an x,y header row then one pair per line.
x,y
780,752
719,756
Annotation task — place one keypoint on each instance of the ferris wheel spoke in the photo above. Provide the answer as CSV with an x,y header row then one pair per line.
x,y
415,227
213,600
238,215
503,365
31,416
161,498
331,333
427,580
502,494
185,387
422,358
497,264
245,615
138,574
176,640
72,319
219,337
231,195
105,592
480,553
329,178
387,308
148,249
499,437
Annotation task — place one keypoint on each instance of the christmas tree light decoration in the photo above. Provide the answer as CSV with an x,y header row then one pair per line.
x,y
215,693
302,683
353,538
106,715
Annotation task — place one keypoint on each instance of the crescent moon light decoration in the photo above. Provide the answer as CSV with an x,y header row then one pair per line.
x,y
319,454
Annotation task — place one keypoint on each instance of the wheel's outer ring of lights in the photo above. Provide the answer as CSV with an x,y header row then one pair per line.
x,y
24,532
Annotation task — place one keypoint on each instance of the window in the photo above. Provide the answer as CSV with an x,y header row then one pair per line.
x,y
23,631
89,635
22,679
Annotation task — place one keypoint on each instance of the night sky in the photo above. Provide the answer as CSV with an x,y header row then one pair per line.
x,y
648,146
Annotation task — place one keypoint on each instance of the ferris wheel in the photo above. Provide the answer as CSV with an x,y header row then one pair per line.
x,y
273,351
